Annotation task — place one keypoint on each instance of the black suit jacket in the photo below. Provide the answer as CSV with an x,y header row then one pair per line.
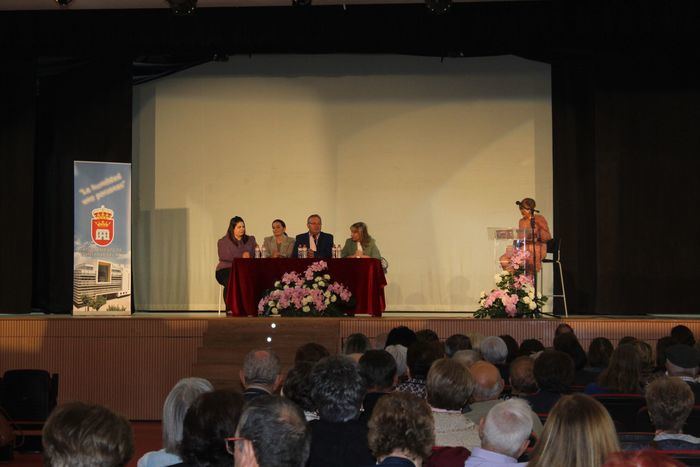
x,y
324,245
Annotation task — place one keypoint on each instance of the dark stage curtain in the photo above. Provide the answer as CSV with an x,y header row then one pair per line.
x,y
16,190
626,145
83,113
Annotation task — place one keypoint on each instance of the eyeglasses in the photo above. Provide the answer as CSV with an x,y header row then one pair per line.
x,y
231,443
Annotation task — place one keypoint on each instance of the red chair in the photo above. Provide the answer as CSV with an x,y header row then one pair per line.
x,y
622,408
686,457
448,456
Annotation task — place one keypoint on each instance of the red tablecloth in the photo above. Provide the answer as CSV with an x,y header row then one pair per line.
x,y
250,277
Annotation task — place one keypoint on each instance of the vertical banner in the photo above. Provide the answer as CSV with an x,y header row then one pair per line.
x,y
102,238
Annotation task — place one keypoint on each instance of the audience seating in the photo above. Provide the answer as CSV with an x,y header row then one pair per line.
x,y
448,456
692,425
686,457
623,408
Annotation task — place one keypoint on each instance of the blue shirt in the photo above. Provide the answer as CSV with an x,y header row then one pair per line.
x,y
484,457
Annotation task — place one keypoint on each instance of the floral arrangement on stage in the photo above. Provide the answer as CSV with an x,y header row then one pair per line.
x,y
308,294
515,295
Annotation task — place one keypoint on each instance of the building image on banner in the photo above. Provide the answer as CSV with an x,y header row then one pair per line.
x,y
102,239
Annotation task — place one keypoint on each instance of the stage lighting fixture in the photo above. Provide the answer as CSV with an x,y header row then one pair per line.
x,y
63,3
301,2
182,7
438,7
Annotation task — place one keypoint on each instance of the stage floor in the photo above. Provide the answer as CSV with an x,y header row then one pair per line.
x,y
130,363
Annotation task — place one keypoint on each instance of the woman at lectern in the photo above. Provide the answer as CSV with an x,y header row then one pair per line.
x,y
538,250
279,245
235,244
360,244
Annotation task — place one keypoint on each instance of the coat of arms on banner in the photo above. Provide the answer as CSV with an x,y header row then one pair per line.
x,y
102,226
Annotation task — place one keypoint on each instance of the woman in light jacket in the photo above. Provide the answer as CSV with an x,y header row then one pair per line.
x,y
360,244
279,245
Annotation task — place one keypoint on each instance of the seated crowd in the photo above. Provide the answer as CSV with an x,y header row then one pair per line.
x,y
407,399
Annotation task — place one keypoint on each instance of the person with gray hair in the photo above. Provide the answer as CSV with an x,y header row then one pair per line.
x,y
261,374
338,438
272,432
487,391
505,435
495,350
181,396
399,353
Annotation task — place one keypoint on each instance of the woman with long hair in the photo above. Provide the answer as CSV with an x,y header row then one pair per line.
x,y
360,244
578,433
235,244
622,374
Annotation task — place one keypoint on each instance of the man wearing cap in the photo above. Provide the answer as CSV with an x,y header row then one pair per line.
x,y
682,361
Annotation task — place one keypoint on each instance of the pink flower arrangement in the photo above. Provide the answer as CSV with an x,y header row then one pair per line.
x,y
308,294
513,297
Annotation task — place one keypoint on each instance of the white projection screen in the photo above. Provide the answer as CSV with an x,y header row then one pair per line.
x,y
428,152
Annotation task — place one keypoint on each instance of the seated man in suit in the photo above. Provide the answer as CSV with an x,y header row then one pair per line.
x,y
319,244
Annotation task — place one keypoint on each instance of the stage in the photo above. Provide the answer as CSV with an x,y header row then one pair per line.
x,y
130,363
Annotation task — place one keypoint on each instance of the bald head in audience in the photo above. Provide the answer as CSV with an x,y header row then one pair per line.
x,y
489,383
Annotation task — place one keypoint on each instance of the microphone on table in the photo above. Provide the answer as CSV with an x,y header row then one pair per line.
x,y
518,203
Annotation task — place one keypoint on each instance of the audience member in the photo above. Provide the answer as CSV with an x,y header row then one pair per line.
x,y
181,396
476,339
78,434
310,352
427,335
272,432
449,387
487,391
297,388
627,340
646,361
599,353
210,419
419,358
512,345
505,435
399,353
355,345
578,433
338,438
622,374
467,357
261,374
529,347
682,361
522,377
661,345
401,431
554,373
457,342
562,328
670,401
379,341
645,458
378,369
683,335
568,343
401,336
494,350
